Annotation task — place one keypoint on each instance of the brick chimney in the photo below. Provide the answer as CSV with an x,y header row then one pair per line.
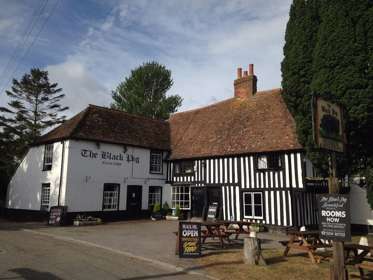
x,y
245,84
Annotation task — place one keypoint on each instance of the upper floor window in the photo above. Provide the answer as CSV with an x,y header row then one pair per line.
x,y
272,161
48,157
184,168
156,162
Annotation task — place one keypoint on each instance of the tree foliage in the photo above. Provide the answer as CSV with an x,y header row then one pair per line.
x,y
33,107
329,52
144,92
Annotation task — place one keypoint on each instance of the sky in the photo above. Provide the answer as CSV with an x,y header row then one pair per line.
x,y
90,46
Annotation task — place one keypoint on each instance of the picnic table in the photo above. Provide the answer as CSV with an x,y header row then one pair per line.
x,y
308,241
360,252
223,230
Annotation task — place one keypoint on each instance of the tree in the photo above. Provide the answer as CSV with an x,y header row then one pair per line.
x,y
33,107
144,92
341,71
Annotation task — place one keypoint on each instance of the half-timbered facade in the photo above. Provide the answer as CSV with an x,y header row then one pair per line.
x,y
243,154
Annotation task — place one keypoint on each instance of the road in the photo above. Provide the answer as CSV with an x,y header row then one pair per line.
x,y
25,254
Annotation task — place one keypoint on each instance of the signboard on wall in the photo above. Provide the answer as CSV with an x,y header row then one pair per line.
x,y
189,240
212,211
328,125
334,217
56,215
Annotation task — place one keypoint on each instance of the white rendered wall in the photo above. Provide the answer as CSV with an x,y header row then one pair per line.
x,y
361,212
25,187
86,174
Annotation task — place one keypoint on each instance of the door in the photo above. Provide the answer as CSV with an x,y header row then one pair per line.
x,y
214,195
134,199
198,201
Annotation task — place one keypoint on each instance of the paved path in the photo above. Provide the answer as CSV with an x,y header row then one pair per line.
x,y
50,253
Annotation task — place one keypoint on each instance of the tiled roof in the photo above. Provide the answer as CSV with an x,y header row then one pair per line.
x,y
260,123
112,126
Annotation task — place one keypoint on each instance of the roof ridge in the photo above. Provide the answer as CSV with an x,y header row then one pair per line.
x,y
225,100
126,113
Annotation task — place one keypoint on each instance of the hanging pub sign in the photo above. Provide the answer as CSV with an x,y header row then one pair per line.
x,y
57,215
328,128
334,217
189,240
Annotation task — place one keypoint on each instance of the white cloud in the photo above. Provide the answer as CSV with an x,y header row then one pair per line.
x,y
202,42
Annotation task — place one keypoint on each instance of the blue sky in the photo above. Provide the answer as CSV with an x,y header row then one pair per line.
x,y
89,46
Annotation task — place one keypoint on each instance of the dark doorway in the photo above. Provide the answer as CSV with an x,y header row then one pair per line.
x,y
134,195
214,195
198,201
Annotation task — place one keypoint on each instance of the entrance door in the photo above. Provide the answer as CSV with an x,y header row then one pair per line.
x,y
134,195
198,201
214,195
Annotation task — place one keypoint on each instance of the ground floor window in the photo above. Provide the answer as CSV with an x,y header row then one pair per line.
x,y
44,197
110,197
253,205
155,195
181,197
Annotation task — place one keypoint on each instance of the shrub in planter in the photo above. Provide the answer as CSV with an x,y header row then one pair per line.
x,y
166,210
177,211
156,215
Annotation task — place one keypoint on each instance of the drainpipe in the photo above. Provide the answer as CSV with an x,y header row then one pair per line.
x,y
61,172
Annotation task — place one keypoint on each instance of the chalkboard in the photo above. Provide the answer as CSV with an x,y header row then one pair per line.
x,y
212,211
189,240
334,217
56,215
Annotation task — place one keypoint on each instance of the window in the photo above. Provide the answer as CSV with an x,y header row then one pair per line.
x,y
110,197
44,197
181,197
48,157
155,162
155,195
269,162
253,205
184,168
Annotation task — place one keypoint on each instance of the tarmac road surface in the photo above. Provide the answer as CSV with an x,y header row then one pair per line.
x,y
25,254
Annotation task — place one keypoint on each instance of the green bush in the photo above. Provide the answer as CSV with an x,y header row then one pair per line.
x,y
157,208
177,211
166,208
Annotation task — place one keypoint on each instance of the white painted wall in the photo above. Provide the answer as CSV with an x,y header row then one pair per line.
x,y
361,212
86,175
25,187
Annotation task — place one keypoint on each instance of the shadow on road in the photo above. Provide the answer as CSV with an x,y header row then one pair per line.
x,y
31,274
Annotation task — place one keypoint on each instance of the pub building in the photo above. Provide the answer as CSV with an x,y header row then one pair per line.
x,y
241,155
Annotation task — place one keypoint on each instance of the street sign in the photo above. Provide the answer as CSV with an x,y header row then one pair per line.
x,y
328,125
189,240
334,217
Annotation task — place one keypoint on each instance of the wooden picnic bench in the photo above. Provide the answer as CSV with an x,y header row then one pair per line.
x,y
307,241
359,252
364,266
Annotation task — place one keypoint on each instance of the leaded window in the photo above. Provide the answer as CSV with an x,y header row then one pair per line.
x,y
181,197
110,197
45,196
48,157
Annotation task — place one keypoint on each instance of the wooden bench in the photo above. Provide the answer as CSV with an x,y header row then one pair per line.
x,y
364,266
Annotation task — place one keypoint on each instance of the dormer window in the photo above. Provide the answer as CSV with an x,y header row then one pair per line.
x,y
48,157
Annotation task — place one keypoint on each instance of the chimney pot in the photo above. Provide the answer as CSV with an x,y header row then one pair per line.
x,y
245,73
251,69
239,73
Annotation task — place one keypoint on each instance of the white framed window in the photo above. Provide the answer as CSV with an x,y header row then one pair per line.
x,y
181,197
48,157
155,195
272,161
45,196
110,199
253,205
156,162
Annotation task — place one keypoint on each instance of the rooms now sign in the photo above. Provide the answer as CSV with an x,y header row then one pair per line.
x,y
334,217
